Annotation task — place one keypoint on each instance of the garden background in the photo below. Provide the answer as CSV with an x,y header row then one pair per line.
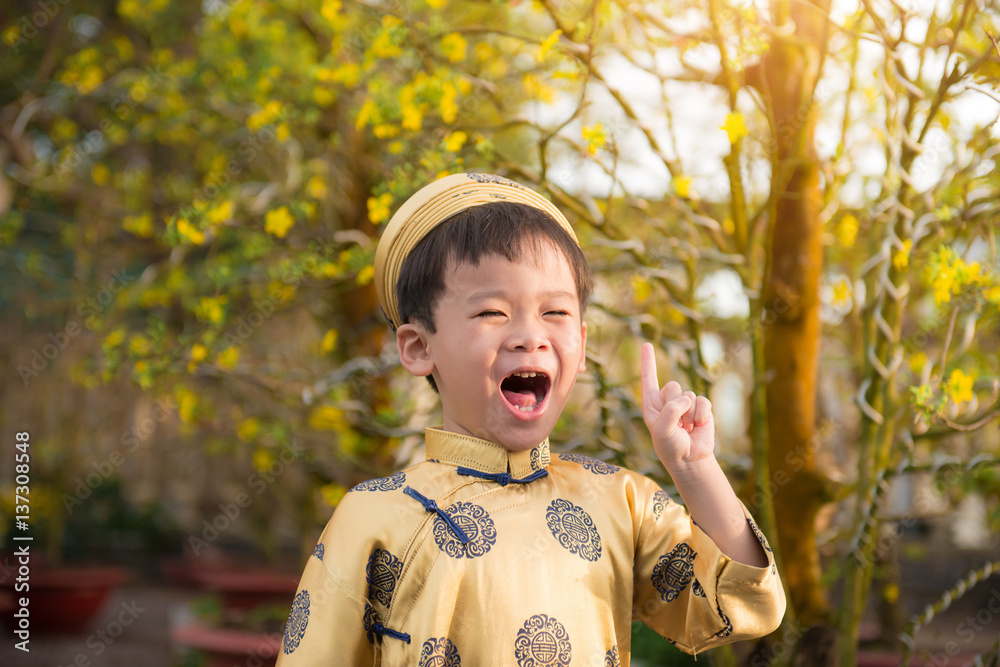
x,y
795,201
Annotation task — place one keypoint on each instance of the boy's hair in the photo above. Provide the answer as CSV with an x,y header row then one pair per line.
x,y
507,229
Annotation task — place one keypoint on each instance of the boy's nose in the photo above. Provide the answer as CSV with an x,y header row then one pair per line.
x,y
527,338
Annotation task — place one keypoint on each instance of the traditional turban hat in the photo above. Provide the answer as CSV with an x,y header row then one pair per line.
x,y
430,206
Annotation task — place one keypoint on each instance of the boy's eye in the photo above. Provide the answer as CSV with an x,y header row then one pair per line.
x,y
490,313
557,312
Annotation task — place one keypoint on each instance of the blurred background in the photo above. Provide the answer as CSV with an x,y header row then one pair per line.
x,y
795,201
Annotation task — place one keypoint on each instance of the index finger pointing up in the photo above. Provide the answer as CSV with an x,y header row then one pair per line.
x,y
650,384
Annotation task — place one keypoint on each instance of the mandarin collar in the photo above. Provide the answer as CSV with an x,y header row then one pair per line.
x,y
483,455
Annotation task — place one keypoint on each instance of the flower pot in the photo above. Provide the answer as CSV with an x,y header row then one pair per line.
x,y
224,648
67,600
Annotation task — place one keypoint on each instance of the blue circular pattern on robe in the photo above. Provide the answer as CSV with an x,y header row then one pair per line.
x,y
535,459
573,529
542,642
477,525
439,652
591,464
319,551
611,658
390,483
660,501
382,573
298,619
696,588
674,572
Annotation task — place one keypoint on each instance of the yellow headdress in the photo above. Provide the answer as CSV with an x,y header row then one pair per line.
x,y
430,206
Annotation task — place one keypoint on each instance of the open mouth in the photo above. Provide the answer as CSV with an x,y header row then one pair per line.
x,y
525,390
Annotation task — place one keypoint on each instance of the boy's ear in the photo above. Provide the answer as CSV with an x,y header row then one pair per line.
x,y
583,347
414,352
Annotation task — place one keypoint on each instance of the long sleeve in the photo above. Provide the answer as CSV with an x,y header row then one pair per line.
x,y
687,590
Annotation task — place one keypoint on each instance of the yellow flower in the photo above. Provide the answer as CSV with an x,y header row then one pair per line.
x,y
367,113
271,111
278,221
115,338
378,207
453,46
959,387
449,109
385,131
917,361
100,174
682,185
211,308
841,293
943,284
327,418
329,341
198,352
437,4
847,230
641,287
734,126
455,141
537,89
139,345
383,46
413,118
140,225
229,357
365,275
248,429
547,45
595,137
190,232
262,459
187,404
220,213
316,187
901,257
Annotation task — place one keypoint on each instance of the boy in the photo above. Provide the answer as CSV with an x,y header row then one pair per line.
x,y
494,551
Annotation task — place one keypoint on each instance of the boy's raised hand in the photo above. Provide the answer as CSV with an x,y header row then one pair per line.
x,y
681,423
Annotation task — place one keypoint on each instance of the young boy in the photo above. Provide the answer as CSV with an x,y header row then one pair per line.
x,y
495,551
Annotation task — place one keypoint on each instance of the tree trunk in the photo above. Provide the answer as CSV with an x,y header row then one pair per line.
x,y
793,266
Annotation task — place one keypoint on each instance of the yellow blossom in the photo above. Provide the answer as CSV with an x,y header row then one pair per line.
x,y
901,257
383,46
198,352
212,308
959,387
538,89
449,108
547,45
327,418
641,287
397,147
316,187
917,361
329,341
847,230
455,141
323,96
229,357
248,429
262,459
187,404
365,275
347,74
140,225
841,293
378,207
734,126
453,46
278,221
367,113
595,137
271,111
190,232
437,4
220,213
385,131
943,284
682,185
413,118
100,174
115,338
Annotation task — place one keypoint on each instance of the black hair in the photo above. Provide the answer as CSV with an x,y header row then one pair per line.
x,y
506,229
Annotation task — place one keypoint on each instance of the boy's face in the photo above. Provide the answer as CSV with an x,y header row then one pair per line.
x,y
510,342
